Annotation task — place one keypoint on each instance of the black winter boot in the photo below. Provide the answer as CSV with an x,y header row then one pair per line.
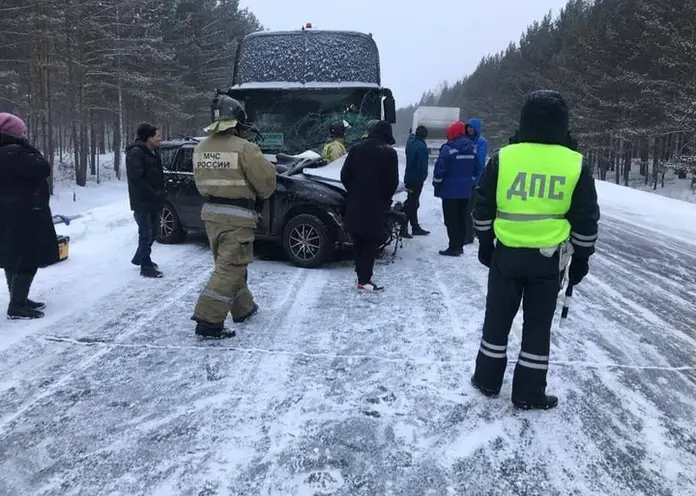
x,y
405,234
150,271
419,231
450,252
36,305
485,391
212,331
20,306
546,402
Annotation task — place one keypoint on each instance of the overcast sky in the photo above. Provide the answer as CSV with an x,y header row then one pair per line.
x,y
421,42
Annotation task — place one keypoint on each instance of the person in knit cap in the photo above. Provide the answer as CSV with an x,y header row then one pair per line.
x,y
28,236
146,193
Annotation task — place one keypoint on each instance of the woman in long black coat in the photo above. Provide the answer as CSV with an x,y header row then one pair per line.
x,y
370,175
28,236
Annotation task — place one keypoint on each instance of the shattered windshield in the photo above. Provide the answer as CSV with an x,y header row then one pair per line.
x,y
292,121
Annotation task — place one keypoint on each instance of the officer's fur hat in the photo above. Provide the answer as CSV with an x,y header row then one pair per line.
x,y
544,119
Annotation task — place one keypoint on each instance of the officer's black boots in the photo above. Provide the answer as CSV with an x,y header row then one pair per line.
x,y
21,307
544,402
419,231
491,393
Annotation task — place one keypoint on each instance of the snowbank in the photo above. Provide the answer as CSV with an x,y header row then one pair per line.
x,y
674,218
70,199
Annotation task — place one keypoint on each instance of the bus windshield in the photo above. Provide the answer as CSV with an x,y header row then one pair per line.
x,y
294,120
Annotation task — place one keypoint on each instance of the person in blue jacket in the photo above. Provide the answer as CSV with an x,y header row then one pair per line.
x,y
456,171
473,131
414,177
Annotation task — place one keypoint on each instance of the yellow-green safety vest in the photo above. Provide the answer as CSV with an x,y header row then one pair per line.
x,y
333,150
534,193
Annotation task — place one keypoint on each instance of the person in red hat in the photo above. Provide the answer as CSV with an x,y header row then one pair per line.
x,y
455,174
29,238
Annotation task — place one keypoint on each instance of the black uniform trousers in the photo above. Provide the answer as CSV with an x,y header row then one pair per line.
x,y
413,203
365,252
458,221
526,275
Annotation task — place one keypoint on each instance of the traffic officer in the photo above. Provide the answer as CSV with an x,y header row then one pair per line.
x,y
335,148
540,204
233,176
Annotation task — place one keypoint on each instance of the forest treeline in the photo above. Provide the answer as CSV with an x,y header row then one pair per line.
x,y
83,73
626,67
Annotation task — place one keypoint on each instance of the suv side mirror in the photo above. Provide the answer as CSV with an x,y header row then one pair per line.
x,y
389,109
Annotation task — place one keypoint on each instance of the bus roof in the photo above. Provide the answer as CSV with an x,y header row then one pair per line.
x,y
306,58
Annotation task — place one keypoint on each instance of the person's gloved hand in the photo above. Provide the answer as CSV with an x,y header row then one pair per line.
x,y
579,267
485,253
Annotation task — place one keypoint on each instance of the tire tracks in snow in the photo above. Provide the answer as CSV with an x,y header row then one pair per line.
x,y
264,385
120,327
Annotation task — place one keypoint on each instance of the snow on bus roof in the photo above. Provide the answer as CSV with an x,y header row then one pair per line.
x,y
296,85
307,56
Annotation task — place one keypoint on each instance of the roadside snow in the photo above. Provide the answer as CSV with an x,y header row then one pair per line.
x,y
70,199
666,216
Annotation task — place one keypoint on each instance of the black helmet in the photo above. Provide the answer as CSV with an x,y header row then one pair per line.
x,y
337,130
371,125
227,108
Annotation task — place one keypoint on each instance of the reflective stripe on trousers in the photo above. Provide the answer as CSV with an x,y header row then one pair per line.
x,y
532,361
493,350
483,225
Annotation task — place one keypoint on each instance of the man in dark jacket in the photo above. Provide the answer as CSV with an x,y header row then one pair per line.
x,y
28,236
414,177
539,202
370,175
146,192
456,170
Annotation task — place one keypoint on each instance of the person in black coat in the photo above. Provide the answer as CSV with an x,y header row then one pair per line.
x,y
370,175
146,193
29,238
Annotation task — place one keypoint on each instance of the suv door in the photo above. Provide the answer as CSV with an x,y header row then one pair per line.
x,y
186,199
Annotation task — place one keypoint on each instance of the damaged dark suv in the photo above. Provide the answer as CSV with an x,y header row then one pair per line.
x,y
304,215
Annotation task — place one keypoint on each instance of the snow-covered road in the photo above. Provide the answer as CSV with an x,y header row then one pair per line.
x,y
328,392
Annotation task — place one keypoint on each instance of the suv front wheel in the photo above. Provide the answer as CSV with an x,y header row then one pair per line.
x,y
307,241
170,230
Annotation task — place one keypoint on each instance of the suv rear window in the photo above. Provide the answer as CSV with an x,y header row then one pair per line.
x,y
184,162
168,154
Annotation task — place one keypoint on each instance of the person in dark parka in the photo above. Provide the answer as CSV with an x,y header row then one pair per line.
x,y
370,175
146,193
28,237
415,175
